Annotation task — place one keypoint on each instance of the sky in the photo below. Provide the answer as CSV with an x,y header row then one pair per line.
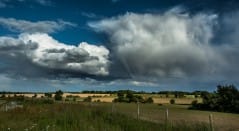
x,y
142,45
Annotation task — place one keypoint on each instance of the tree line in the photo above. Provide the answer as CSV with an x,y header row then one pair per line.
x,y
129,97
224,99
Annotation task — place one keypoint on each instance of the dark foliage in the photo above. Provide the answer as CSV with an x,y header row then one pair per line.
x,y
225,99
49,95
58,95
88,99
172,101
130,97
149,100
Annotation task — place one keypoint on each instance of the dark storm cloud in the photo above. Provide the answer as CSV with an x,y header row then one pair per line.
x,y
161,45
173,44
226,36
11,44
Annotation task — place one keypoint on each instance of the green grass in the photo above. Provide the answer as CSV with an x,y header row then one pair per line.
x,y
86,117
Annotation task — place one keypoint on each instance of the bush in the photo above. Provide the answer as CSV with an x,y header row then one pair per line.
x,y
130,97
194,105
35,95
172,101
3,96
149,100
88,99
49,95
225,99
58,95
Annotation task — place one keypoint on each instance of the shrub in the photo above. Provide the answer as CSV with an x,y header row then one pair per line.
x,y
225,99
88,99
149,100
58,95
35,95
3,96
195,102
172,101
49,95
194,105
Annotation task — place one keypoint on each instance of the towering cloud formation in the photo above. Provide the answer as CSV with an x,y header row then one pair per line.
x,y
171,47
42,52
168,45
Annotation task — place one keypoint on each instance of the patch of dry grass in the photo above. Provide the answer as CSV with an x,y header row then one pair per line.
x,y
104,99
177,100
180,113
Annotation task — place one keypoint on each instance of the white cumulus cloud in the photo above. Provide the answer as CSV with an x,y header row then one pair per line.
x,y
43,51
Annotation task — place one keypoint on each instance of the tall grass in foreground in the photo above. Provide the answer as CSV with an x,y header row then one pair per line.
x,y
83,117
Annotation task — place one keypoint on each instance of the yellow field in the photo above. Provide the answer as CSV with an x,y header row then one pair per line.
x,y
85,95
158,99
64,95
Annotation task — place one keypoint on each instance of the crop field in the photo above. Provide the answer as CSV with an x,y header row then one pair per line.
x,y
97,116
158,99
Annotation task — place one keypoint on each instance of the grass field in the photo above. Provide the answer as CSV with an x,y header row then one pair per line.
x,y
180,113
98,116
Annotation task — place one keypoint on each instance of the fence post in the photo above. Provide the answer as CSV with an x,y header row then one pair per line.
x,y
138,110
166,115
166,119
211,122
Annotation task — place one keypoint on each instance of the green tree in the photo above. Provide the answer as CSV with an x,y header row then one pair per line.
x,y
35,95
149,100
3,96
88,99
172,101
58,95
225,99
120,98
49,95
130,97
